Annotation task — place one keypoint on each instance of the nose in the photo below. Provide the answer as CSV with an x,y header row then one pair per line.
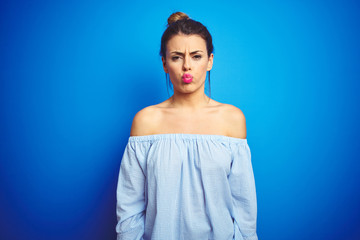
x,y
186,65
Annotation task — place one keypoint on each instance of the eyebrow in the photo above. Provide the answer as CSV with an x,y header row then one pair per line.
x,y
182,54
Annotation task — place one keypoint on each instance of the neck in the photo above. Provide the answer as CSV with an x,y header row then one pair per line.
x,y
194,100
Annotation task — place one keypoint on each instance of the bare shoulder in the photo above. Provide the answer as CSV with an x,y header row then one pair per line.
x,y
145,121
235,121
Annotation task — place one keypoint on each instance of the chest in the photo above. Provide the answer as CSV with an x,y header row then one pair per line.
x,y
196,123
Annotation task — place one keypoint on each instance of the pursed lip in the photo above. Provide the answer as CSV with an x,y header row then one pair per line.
x,y
187,78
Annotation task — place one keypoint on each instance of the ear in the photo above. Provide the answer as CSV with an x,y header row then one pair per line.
x,y
164,65
210,62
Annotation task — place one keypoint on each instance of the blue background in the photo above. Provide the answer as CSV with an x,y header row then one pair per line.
x,y
74,73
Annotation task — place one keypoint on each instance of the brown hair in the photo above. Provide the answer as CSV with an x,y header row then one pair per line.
x,y
180,23
176,17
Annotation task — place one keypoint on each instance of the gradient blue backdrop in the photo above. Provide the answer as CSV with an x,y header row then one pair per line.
x,y
74,73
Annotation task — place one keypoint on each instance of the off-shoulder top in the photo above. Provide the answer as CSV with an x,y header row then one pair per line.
x,y
186,186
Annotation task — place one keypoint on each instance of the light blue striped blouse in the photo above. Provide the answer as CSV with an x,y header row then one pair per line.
x,y
186,186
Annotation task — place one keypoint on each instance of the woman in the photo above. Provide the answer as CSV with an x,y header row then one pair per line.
x,y
186,171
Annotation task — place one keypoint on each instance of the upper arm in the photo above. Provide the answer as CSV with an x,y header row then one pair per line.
x,y
144,122
236,122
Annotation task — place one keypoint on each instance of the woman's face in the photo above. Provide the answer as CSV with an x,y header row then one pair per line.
x,y
187,62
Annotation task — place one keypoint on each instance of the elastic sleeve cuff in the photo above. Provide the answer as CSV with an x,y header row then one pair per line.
x,y
132,234
253,237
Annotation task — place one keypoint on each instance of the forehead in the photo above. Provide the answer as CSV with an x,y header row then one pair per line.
x,y
181,42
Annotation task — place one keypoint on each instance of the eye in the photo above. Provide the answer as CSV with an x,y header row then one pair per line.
x,y
197,57
175,58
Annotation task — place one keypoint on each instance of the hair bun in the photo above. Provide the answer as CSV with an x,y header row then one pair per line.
x,y
177,16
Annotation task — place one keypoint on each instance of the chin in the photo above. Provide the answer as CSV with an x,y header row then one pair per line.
x,y
184,91
188,89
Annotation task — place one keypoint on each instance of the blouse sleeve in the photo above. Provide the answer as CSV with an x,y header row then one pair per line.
x,y
130,194
242,185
